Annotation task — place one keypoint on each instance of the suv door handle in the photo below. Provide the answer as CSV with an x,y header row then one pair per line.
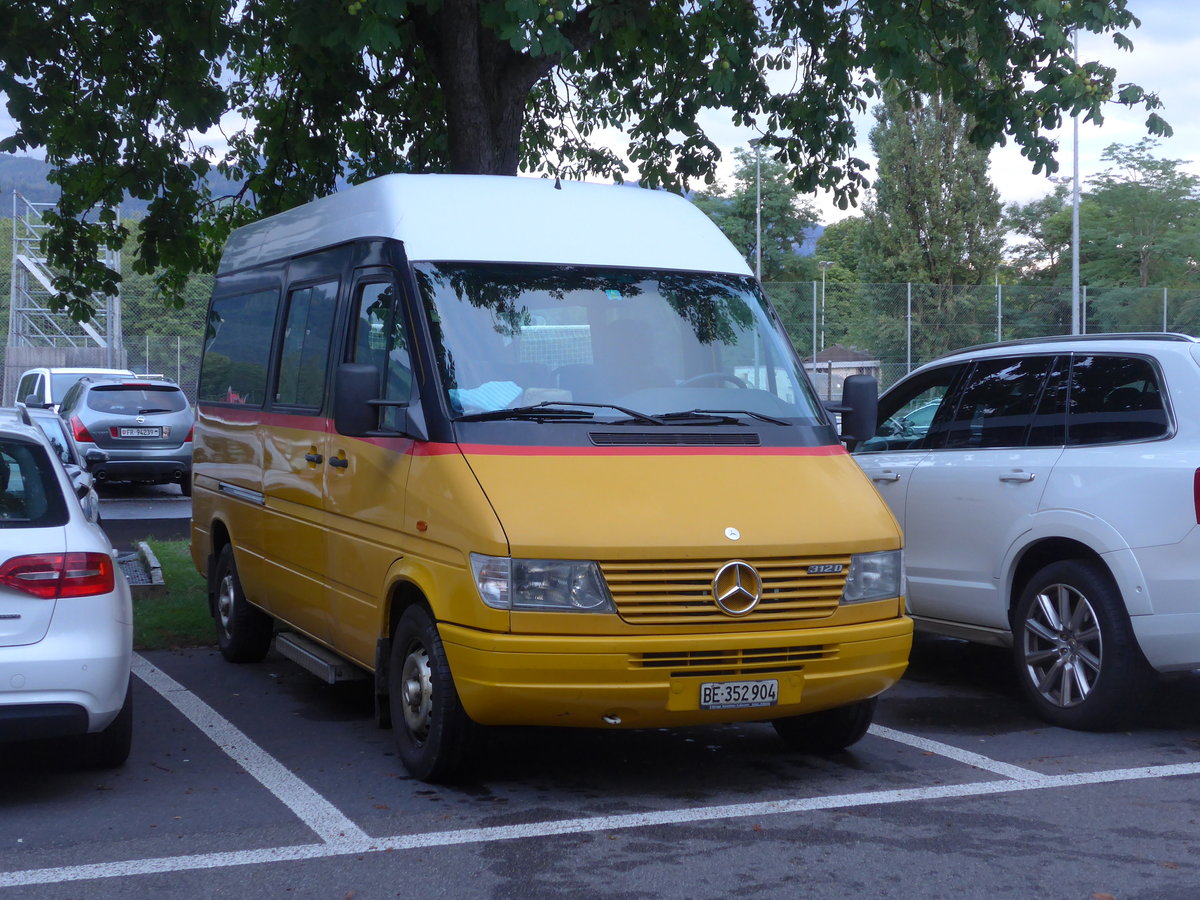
x,y
314,458
886,476
1019,477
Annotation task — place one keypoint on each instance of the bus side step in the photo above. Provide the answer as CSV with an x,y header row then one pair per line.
x,y
327,666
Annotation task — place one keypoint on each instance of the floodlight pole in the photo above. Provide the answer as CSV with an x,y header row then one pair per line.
x,y
755,142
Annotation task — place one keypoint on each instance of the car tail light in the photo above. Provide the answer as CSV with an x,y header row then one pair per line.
x,y
188,439
1196,494
79,430
54,575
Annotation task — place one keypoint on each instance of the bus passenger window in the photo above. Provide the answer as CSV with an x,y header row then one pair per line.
x,y
305,353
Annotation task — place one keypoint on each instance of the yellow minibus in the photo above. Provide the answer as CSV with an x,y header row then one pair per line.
x,y
529,452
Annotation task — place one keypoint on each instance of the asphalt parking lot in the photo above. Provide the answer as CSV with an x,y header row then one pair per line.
x,y
260,781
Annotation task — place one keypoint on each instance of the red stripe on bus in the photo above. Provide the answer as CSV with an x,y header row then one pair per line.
x,y
432,448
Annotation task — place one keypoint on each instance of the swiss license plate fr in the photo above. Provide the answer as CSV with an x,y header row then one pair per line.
x,y
141,432
738,694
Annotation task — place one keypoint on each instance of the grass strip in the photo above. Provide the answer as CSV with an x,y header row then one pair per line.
x,y
179,617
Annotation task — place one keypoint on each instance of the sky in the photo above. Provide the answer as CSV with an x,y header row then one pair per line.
x,y
1165,60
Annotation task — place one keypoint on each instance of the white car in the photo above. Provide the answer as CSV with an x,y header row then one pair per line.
x,y
1053,505
46,386
66,619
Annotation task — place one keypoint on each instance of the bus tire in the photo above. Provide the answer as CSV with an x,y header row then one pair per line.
x,y
244,631
434,735
827,731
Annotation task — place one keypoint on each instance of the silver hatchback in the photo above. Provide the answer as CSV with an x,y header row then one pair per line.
x,y
132,429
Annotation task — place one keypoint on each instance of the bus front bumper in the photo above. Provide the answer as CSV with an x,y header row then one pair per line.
x,y
655,681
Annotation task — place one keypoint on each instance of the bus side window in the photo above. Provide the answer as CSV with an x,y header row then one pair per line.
x,y
305,350
377,309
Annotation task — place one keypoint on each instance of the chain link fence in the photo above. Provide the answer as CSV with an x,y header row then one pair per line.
x,y
883,329
887,330
166,340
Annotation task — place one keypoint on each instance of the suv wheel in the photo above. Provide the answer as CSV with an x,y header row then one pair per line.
x,y
244,632
1076,655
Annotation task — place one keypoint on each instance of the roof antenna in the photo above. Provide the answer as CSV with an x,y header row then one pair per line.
x,y
557,184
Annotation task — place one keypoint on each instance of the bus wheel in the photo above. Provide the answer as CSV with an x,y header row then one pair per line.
x,y
243,631
827,731
434,735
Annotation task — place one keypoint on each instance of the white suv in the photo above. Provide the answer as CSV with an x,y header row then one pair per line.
x,y
1052,505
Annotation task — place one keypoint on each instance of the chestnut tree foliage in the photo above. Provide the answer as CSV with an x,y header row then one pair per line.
x,y
145,97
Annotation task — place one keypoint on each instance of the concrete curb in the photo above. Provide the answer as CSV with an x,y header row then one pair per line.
x,y
157,585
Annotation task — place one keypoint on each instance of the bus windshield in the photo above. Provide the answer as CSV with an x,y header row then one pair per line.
x,y
513,336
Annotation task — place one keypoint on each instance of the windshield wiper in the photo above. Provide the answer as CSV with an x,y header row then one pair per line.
x,y
724,416
537,412
556,409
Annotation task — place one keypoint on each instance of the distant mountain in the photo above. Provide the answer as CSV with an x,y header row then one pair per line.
x,y
811,235
26,176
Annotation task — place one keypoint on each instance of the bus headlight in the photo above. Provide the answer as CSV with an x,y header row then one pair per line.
x,y
874,576
543,585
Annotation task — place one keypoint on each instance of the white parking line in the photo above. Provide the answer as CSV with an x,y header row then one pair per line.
x,y
330,824
341,837
365,845
955,753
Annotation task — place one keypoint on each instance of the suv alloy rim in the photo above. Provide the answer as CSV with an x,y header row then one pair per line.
x,y
1062,645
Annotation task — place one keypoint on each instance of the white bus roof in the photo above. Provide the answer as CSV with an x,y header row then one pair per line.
x,y
489,218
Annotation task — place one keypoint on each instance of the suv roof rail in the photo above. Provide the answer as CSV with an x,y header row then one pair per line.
x,y
1079,338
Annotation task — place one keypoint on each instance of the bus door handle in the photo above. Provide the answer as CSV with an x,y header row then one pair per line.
x,y
315,458
339,462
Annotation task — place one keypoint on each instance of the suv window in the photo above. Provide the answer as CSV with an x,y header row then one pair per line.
x,y
30,495
140,400
1112,399
996,404
907,413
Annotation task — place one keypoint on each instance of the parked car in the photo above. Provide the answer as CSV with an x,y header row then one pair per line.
x,y
66,620
132,429
46,386
1052,505
55,430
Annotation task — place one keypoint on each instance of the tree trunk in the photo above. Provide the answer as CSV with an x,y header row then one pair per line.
x,y
485,86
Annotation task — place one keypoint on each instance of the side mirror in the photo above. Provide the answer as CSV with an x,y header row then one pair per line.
x,y
356,406
355,386
33,401
80,480
95,455
859,408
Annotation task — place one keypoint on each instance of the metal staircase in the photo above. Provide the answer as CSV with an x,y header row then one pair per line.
x,y
38,333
